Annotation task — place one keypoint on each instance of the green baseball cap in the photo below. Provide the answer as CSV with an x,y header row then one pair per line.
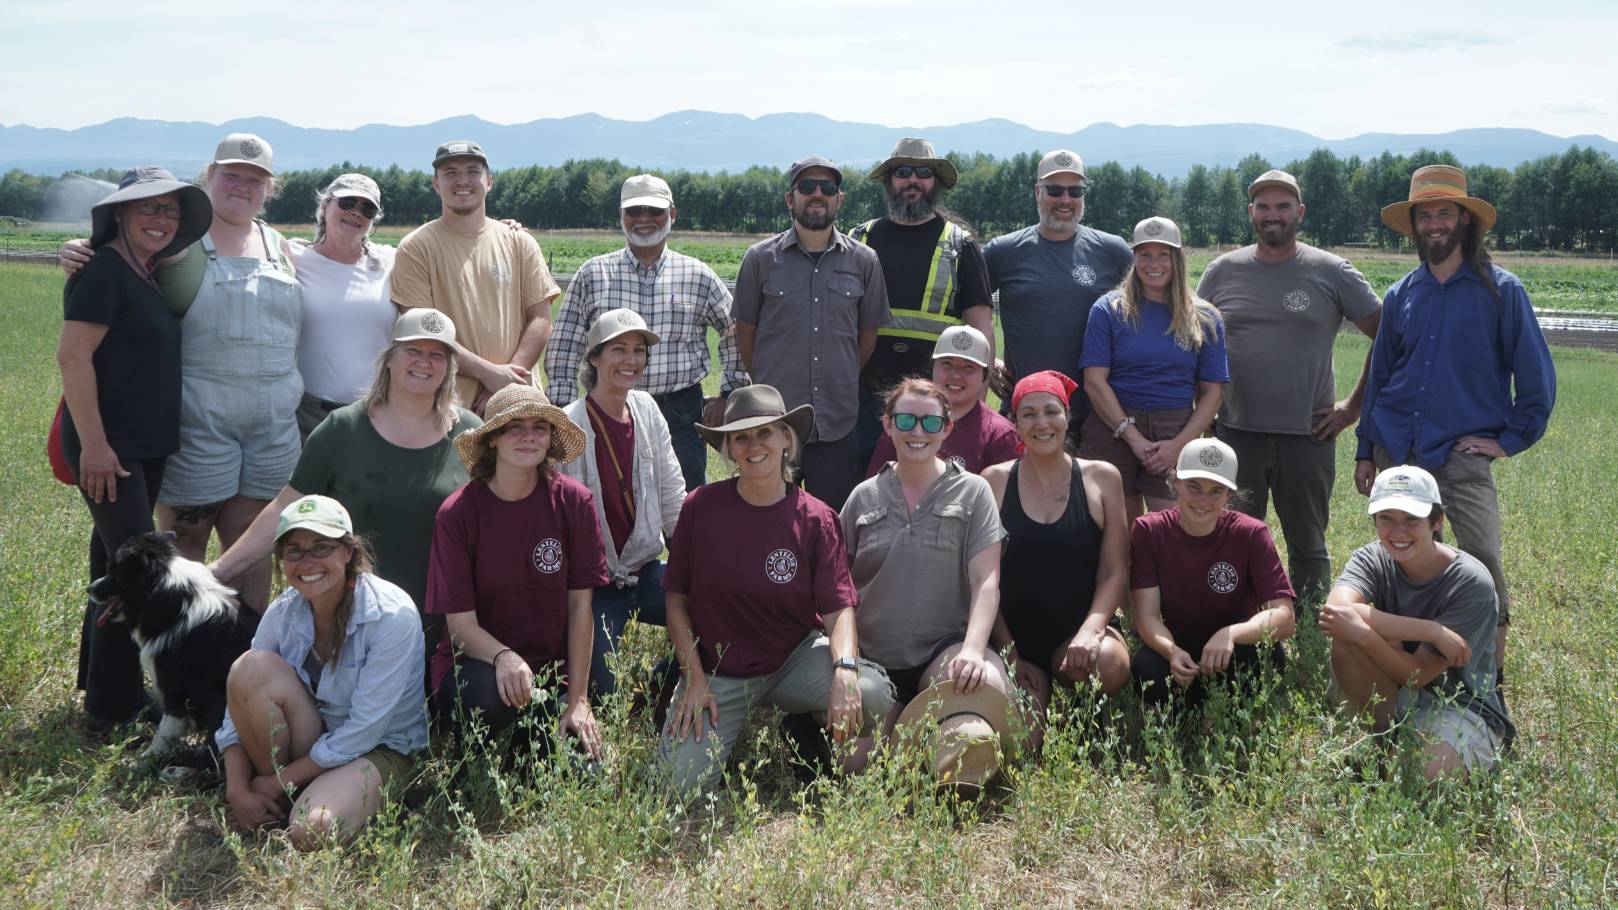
x,y
321,514
459,148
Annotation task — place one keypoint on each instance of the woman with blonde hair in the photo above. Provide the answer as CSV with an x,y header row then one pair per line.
x,y
1154,368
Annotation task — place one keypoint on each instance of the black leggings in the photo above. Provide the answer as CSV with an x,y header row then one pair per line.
x,y
469,689
109,662
1151,672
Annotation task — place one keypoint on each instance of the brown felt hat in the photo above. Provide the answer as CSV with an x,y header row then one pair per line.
x,y
754,406
914,152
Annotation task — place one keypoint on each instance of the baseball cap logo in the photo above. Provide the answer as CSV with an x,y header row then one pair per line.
x,y
626,318
1211,457
1152,228
251,149
308,505
432,322
961,342
1063,159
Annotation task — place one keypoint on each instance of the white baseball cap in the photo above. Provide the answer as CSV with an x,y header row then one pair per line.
x,y
1156,229
645,189
1407,488
1209,459
1061,161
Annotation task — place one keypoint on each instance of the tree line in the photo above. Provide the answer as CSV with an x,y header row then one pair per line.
x,y
1565,202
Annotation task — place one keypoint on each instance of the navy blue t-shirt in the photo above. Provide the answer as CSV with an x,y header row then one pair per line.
x,y
1149,369
1046,289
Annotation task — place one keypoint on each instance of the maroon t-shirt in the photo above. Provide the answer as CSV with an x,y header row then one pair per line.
x,y
614,437
758,578
1207,582
513,563
980,439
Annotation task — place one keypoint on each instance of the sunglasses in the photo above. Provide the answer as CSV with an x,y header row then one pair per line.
x,y
905,422
906,171
350,203
293,552
155,208
1057,191
645,211
807,187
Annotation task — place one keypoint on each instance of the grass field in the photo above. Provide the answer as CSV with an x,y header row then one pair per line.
x,y
1282,807
1575,284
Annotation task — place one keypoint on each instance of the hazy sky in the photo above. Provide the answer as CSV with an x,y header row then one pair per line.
x,y
1335,70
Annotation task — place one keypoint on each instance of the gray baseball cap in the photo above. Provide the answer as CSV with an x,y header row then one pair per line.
x,y
804,164
459,148
1156,229
356,185
612,323
245,148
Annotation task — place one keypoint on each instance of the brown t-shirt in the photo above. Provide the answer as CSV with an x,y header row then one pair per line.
x,y
483,281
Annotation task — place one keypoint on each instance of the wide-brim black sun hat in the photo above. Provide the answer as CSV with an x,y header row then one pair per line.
x,y
196,212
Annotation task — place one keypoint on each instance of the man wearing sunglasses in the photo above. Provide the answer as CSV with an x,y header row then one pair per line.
x,y
490,281
809,302
679,297
1048,275
934,272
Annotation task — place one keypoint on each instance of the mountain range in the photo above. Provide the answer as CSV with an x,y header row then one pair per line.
x,y
707,141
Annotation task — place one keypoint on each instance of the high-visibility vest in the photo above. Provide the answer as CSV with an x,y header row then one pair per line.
x,y
930,316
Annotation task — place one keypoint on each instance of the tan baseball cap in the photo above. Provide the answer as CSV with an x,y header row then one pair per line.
x,y
1061,161
612,323
1156,229
645,189
1208,459
964,342
424,324
1275,177
356,185
245,148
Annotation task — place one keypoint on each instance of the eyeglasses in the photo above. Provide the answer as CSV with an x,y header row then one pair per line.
x,y
807,187
1057,190
293,552
906,171
350,203
905,422
158,208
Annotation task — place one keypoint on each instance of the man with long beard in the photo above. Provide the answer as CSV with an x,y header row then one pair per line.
x,y
808,305
1048,275
934,270
1460,373
679,297
1283,302
491,281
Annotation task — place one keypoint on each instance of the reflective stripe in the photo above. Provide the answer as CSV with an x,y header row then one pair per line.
x,y
932,317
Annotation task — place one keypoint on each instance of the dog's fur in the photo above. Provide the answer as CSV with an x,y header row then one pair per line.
x,y
189,627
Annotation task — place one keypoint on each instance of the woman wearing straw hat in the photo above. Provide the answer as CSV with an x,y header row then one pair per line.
x,y
389,456
760,604
327,703
516,554
119,356
1154,368
1065,568
1210,597
632,472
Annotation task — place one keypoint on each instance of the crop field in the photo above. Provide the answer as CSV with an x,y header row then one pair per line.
x,y
1285,804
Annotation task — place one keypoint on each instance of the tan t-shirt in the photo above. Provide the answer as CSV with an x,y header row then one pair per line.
x,y
482,281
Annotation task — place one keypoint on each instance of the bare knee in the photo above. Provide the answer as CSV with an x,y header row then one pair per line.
x,y
263,673
314,827
1443,761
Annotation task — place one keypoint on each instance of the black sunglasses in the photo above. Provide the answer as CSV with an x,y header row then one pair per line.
x,y
905,422
350,203
807,187
906,171
1057,191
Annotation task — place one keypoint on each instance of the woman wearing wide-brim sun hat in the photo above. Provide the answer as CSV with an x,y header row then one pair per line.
x,y
760,602
119,356
516,556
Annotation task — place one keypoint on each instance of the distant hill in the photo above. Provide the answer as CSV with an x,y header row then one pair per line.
x,y
707,141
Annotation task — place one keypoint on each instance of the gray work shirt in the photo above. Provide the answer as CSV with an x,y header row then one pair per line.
x,y
809,316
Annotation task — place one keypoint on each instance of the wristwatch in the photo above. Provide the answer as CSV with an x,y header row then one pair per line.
x,y
846,663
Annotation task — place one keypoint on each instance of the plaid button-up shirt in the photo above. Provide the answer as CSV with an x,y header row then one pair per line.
x,y
679,297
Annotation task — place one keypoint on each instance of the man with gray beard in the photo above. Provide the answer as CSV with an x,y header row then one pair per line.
x,y
934,272
1048,275
679,297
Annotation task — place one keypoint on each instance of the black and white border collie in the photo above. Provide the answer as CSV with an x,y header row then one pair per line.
x,y
189,627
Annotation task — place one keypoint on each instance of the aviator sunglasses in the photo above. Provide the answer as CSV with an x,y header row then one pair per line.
x,y
350,203
905,422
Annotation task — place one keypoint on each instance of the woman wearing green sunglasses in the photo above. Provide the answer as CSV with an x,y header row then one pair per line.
x,y
923,540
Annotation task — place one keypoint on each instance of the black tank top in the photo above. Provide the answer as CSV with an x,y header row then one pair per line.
x,y
1047,571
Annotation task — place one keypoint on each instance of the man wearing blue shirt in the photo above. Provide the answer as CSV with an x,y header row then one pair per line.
x,y
1460,372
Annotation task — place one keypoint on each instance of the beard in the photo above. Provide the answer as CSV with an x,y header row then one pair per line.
x,y
1278,236
813,220
638,240
1440,249
1057,225
914,210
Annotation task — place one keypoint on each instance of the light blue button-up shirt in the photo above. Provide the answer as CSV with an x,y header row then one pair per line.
x,y
373,695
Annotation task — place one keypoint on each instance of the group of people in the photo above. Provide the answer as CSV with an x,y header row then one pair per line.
x,y
891,554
